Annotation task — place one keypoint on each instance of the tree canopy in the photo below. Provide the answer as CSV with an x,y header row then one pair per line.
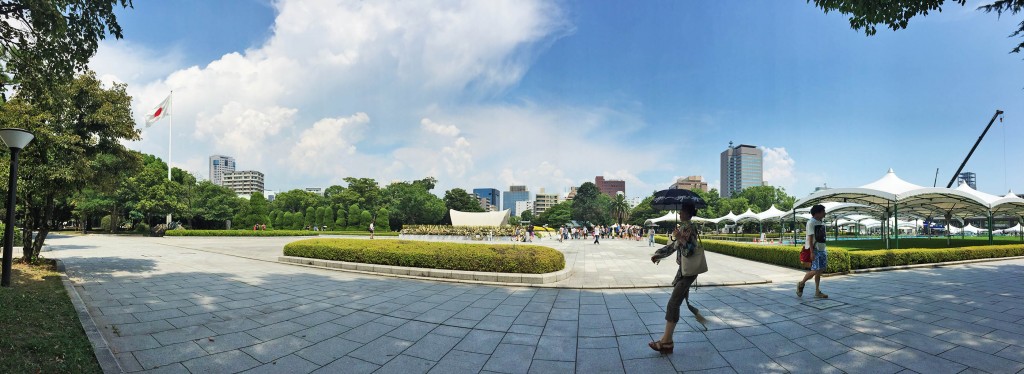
x,y
896,14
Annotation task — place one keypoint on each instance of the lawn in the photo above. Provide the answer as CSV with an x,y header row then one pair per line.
x,y
41,332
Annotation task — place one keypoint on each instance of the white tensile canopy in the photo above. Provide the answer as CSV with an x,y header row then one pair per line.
x,y
479,218
891,197
1016,228
673,216
749,215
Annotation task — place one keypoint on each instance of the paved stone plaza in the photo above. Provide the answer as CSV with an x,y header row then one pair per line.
x,y
173,305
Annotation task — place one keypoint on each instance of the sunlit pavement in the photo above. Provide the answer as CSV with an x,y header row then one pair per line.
x,y
174,306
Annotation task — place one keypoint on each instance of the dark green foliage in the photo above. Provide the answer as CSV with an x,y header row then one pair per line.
x,y
838,259
241,232
899,257
381,223
502,258
461,200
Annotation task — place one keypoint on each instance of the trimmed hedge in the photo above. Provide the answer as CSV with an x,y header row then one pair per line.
x,y
899,257
503,258
789,256
241,233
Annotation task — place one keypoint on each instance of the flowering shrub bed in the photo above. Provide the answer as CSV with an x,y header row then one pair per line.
x,y
504,258
458,230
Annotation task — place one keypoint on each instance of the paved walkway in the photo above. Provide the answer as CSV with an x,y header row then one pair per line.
x,y
615,263
178,310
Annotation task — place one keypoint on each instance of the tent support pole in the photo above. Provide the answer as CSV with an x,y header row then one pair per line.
x,y
896,220
991,224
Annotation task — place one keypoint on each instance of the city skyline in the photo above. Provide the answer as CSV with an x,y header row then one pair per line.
x,y
550,94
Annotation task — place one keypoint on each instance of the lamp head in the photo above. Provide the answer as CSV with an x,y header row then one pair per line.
x,y
15,138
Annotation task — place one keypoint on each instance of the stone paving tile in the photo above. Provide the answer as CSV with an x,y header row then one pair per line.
x,y
175,368
479,341
460,362
183,334
728,340
922,362
752,360
697,356
542,367
593,360
327,351
805,362
226,362
774,345
972,341
132,343
510,358
521,339
227,342
561,328
142,328
556,348
321,332
174,353
432,347
271,350
348,365
857,362
871,345
286,364
1013,352
822,347
381,350
981,360
406,365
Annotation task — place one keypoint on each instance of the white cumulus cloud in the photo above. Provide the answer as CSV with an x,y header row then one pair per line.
x,y
779,167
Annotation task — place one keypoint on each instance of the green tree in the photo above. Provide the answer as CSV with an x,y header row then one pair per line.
x,y
557,215
619,208
896,14
412,204
588,206
341,222
364,192
44,43
296,200
761,198
310,218
527,216
381,222
354,217
461,200
218,204
255,211
365,217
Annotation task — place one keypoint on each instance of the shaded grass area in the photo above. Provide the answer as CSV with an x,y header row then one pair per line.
x,y
41,332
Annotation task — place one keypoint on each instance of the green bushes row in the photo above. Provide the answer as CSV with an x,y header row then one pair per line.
x,y
18,240
899,257
789,256
240,233
840,260
504,258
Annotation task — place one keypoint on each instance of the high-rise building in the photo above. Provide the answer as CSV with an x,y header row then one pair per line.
x,y
514,194
245,182
970,178
485,203
220,164
492,195
693,182
610,186
542,201
316,190
572,193
742,167
524,206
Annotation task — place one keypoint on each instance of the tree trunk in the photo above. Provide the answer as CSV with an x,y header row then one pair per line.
x,y
85,223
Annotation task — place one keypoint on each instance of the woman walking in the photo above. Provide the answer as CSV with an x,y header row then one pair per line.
x,y
690,258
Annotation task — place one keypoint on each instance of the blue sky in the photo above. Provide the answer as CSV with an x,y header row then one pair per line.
x,y
550,94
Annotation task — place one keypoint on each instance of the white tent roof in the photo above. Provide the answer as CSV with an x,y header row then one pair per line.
x,y
728,217
772,213
479,218
673,216
749,215
1016,228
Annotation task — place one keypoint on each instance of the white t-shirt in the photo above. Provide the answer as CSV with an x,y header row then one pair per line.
x,y
811,224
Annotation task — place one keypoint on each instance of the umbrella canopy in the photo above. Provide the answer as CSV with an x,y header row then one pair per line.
x,y
674,198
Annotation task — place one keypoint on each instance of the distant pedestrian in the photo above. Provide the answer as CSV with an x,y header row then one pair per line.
x,y
263,227
597,235
816,237
371,230
255,227
650,237
690,257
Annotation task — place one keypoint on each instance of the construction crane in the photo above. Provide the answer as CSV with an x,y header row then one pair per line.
x,y
961,168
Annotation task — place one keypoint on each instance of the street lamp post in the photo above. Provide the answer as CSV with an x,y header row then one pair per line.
x,y
16,140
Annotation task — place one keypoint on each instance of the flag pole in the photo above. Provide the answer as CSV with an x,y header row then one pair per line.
x,y
169,133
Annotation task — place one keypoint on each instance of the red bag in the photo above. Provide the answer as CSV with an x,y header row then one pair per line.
x,y
805,255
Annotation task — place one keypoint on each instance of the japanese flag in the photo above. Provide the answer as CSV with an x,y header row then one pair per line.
x,y
158,113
